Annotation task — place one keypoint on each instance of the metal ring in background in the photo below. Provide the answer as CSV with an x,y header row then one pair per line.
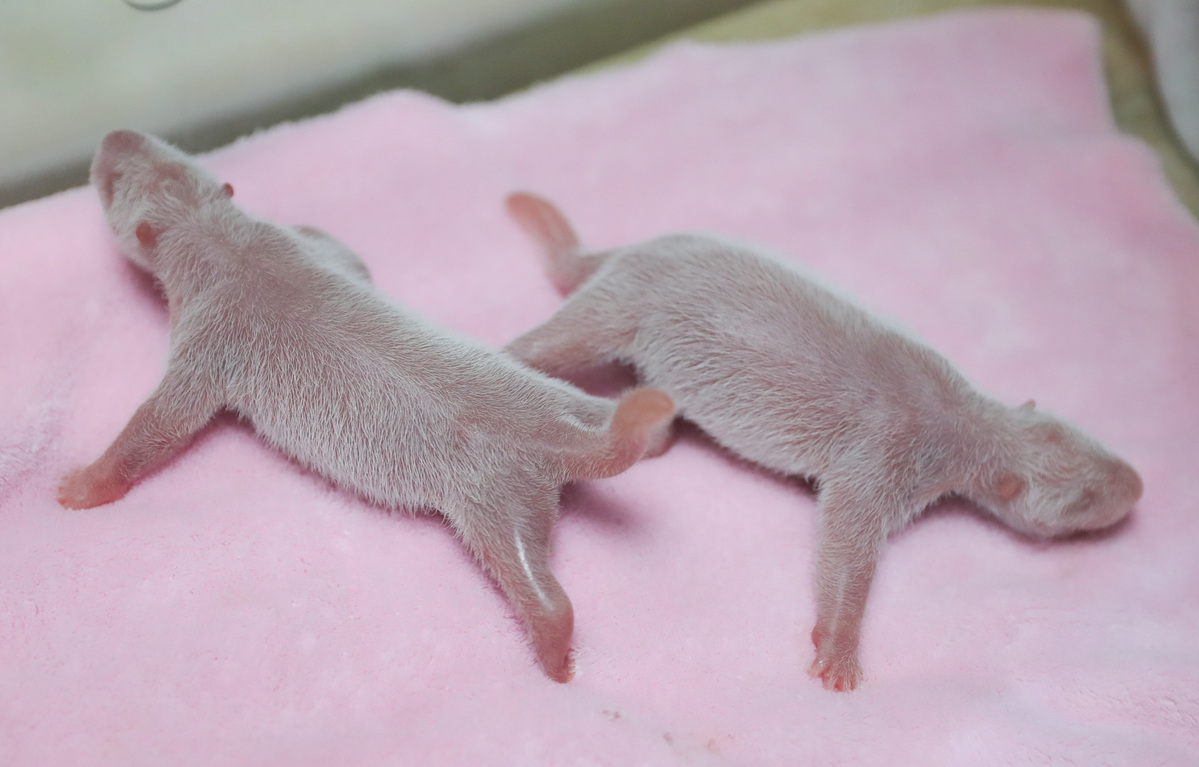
x,y
159,6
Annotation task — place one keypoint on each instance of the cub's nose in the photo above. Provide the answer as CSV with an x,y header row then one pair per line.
x,y
1123,491
122,141
1129,483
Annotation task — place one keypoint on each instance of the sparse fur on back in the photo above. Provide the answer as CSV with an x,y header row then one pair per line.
x,y
784,373
283,326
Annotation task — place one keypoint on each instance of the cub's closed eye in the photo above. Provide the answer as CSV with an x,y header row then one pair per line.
x,y
1085,500
146,235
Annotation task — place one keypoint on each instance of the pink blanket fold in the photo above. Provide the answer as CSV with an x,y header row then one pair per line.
x,y
960,174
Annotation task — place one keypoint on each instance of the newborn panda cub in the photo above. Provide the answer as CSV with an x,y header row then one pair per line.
x,y
283,326
787,375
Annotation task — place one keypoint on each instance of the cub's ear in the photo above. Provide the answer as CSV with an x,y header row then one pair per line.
x,y
228,189
146,235
1008,486
1030,405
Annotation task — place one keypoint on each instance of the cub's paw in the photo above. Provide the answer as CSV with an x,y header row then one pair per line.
x,y
84,489
838,669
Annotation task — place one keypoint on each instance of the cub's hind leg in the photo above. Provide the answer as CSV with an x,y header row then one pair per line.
x,y
588,330
338,253
510,538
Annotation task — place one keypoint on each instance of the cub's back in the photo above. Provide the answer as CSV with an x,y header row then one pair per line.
x,y
333,373
764,359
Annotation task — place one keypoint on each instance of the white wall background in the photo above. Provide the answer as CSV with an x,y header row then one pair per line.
x,y
71,69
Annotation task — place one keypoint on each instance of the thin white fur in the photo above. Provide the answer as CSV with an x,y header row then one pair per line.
x,y
790,376
283,326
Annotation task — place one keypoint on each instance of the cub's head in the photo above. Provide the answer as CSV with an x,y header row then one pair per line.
x,y
147,187
1055,480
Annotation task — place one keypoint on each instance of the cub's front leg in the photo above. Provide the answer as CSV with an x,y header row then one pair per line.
x,y
853,529
181,405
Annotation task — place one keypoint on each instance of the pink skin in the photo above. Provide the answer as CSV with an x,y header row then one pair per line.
x,y
787,375
283,326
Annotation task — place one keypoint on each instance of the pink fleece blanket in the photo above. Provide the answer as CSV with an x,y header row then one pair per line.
x,y
960,174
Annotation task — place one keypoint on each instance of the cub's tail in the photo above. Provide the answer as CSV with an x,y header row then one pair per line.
x,y
566,266
640,425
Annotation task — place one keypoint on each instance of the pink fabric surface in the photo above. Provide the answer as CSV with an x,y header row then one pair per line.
x,y
960,174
